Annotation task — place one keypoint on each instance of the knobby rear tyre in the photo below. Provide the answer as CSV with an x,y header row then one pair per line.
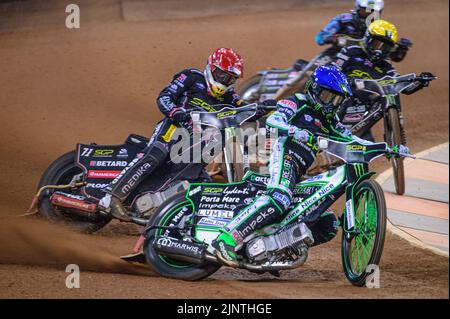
x,y
61,172
170,267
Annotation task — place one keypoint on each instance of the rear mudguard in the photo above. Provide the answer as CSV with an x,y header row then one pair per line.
x,y
102,163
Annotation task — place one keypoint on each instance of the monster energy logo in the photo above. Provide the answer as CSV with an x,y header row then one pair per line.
x,y
359,169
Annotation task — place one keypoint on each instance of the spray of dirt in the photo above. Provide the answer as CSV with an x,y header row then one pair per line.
x,y
36,242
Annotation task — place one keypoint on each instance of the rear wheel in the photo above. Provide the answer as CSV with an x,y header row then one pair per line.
x,y
365,245
171,213
395,138
61,172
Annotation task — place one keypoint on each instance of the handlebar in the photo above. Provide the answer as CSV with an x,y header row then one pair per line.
x,y
341,40
389,85
399,154
355,152
228,116
426,77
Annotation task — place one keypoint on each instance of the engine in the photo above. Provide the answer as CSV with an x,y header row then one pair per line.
x,y
290,242
146,203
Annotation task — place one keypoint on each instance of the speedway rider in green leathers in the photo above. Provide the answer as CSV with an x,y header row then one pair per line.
x,y
299,120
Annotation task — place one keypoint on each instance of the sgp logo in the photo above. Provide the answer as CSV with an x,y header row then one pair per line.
x,y
103,152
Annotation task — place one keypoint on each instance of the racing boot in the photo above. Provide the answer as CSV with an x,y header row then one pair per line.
x,y
325,228
137,171
225,246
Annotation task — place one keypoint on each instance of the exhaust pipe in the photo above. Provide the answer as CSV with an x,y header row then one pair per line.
x,y
180,250
196,253
276,266
71,202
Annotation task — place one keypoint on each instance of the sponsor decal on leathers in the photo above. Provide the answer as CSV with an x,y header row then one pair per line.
x,y
134,161
260,202
135,177
262,216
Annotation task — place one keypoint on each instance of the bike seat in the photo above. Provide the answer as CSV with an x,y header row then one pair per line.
x,y
137,140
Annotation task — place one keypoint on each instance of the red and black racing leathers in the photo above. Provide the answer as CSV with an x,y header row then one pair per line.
x,y
186,92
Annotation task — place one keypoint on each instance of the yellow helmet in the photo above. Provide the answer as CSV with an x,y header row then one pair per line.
x,y
380,39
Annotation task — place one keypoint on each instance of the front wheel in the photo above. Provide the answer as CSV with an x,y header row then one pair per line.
x,y
363,245
171,214
395,138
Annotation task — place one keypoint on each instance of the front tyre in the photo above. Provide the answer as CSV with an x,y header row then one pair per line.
x,y
365,245
171,213
395,138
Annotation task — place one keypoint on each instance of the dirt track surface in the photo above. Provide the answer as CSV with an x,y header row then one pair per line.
x,y
99,83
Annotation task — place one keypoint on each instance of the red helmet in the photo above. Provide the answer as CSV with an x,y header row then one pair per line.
x,y
224,67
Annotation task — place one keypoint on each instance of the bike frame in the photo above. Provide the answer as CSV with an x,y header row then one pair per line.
x,y
389,101
329,187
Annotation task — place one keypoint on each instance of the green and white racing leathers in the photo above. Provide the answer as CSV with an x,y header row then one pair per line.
x,y
290,159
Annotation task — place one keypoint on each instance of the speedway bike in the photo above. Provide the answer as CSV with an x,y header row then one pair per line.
x,y
71,187
177,239
382,101
280,83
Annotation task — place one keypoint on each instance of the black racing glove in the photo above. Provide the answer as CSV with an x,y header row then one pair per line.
x,y
261,111
179,115
426,78
400,52
423,80
331,39
270,102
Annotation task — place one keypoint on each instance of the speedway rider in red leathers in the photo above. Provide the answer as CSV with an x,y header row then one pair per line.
x,y
189,90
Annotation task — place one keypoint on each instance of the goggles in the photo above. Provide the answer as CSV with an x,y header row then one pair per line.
x,y
223,77
379,45
330,100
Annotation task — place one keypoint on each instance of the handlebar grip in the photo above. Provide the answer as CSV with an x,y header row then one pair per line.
x,y
407,155
401,154
267,107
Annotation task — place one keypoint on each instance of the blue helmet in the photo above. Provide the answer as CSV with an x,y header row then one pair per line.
x,y
328,88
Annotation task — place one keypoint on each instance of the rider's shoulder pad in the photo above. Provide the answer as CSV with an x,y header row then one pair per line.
x,y
197,71
194,72
353,50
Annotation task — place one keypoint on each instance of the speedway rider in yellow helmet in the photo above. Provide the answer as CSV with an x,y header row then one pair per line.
x,y
380,39
368,60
